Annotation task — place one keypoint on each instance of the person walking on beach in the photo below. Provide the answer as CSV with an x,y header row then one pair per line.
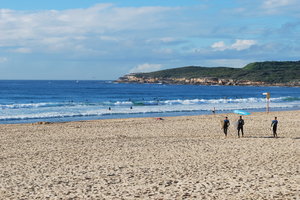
x,y
226,124
240,126
274,125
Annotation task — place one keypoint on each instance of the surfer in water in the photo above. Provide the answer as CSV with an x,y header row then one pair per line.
x,y
226,124
240,126
274,125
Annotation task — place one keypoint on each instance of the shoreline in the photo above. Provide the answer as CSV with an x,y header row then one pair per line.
x,y
199,84
220,115
145,158
146,115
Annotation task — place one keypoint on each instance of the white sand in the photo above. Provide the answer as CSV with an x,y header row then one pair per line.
x,y
145,158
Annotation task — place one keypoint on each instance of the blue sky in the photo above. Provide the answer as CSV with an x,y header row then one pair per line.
x,y
102,40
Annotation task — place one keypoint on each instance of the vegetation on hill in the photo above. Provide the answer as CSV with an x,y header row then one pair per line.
x,y
269,72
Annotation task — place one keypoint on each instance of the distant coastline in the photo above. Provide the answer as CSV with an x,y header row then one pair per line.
x,y
254,74
132,78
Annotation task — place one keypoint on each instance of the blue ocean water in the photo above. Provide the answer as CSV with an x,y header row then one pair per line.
x,y
58,101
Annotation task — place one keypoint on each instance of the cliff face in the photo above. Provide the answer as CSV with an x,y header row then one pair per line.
x,y
132,78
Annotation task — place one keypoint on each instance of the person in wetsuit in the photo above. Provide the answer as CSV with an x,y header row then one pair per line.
x,y
240,126
226,125
274,125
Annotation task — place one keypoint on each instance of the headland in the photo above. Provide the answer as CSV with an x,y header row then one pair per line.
x,y
254,74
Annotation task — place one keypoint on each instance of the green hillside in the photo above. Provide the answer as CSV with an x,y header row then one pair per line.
x,y
269,72
272,72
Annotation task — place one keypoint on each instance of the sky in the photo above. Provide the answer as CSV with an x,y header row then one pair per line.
x,y
103,40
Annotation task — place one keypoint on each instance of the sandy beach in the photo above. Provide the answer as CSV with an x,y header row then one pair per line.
x,y
145,158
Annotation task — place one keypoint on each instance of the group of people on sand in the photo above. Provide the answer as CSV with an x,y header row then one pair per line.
x,y
241,123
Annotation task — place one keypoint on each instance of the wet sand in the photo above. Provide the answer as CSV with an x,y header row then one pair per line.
x,y
146,158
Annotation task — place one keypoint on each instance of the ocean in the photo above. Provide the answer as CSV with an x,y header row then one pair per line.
x,y
60,101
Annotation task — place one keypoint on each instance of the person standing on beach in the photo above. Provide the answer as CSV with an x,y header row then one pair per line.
x,y
226,124
240,126
214,111
274,124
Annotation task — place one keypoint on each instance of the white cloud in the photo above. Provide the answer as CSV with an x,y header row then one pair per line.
x,y
146,68
219,46
109,38
243,44
166,41
3,59
280,6
271,4
62,28
238,45
22,50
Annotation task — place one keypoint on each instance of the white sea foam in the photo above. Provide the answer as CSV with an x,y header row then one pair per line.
x,y
145,103
167,106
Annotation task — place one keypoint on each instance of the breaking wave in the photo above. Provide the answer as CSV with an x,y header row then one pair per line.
x,y
147,102
48,110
